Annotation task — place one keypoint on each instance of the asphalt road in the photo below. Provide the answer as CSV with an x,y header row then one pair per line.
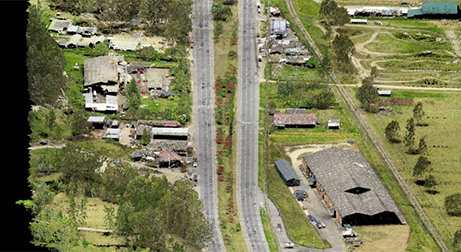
x,y
204,121
248,107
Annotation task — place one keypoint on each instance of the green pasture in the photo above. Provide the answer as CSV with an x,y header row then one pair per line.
x,y
442,136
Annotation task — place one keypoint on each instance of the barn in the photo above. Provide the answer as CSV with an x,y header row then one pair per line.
x,y
287,173
295,120
351,188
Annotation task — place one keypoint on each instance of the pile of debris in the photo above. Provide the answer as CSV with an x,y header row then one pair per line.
x,y
143,154
179,147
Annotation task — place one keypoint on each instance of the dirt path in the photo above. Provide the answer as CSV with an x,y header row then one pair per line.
x,y
455,42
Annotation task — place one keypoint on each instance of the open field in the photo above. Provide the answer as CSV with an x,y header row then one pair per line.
x,y
383,238
442,115
407,52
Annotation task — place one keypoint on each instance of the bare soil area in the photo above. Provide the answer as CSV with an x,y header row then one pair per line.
x,y
296,152
383,238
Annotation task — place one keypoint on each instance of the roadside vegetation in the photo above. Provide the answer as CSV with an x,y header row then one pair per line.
x,y
225,83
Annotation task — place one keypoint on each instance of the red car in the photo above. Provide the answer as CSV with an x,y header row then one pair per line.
x,y
191,45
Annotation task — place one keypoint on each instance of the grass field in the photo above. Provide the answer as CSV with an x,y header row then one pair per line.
x,y
442,115
380,2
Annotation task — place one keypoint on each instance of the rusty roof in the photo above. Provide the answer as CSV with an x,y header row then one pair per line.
x,y
294,119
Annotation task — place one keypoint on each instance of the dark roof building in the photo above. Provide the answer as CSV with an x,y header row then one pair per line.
x,y
287,173
300,120
435,9
348,184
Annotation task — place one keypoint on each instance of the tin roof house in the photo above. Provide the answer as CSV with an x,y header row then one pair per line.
x,y
101,83
286,172
295,120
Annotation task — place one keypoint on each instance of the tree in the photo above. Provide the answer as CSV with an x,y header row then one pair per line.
x,y
100,49
179,22
418,113
325,65
220,12
457,239
51,120
76,165
409,138
391,131
78,123
367,93
323,100
374,72
453,204
344,48
422,147
285,88
133,95
45,61
148,53
421,166
340,16
145,139
328,7
430,182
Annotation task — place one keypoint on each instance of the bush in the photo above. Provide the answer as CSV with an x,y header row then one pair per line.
x,y
232,53
453,204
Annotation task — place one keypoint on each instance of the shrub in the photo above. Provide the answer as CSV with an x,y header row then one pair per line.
x,y
453,204
232,53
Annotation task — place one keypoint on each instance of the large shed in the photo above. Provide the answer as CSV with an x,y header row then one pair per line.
x,y
435,9
294,120
101,70
348,184
287,173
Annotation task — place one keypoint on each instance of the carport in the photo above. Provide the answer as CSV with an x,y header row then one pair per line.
x,y
287,173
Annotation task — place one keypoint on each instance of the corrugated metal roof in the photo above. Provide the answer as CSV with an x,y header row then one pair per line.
x,y
338,171
434,8
294,119
170,131
414,12
99,119
285,170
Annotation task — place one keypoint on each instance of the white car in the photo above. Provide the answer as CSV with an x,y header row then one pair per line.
x,y
289,245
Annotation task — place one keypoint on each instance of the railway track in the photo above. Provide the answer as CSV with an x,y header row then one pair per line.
x,y
371,135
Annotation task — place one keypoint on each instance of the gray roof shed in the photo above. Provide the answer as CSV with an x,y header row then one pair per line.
x,y
101,69
287,173
351,184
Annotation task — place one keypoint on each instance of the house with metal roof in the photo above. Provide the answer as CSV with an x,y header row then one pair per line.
x,y
384,92
97,121
294,120
279,27
333,123
154,80
435,10
100,70
74,40
112,133
286,172
59,25
348,184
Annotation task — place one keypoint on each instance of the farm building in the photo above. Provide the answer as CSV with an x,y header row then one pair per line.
x,y
140,130
351,188
384,92
287,173
154,80
333,123
101,70
74,41
94,40
170,133
295,120
279,27
169,159
112,133
59,25
159,123
435,10
358,21
124,45
97,121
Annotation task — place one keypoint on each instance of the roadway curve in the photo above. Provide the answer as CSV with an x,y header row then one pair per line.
x,y
202,75
370,133
248,124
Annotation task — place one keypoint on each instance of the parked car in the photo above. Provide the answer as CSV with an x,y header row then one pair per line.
x,y
289,245
320,224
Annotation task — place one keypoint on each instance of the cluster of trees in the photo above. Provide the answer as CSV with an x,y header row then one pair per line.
x,y
45,62
152,212
335,15
221,12
170,19
367,94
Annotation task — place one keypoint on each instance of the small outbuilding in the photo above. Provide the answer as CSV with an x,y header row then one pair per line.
x,y
112,133
384,92
333,123
97,121
287,173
